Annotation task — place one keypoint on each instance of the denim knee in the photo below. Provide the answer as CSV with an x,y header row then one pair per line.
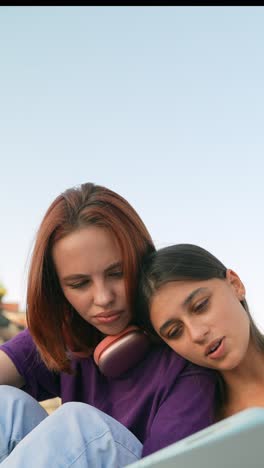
x,y
91,422
9,394
12,397
78,435
19,414
81,414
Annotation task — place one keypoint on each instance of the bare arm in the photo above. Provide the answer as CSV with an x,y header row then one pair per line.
x,y
9,374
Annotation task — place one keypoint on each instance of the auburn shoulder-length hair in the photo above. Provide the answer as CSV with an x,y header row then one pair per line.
x,y
52,321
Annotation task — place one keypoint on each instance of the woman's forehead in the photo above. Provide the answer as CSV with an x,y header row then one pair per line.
x,y
87,247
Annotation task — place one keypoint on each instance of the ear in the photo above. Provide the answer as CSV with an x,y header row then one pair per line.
x,y
236,284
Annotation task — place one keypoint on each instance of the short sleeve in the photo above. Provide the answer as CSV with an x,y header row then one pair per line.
x,y
40,382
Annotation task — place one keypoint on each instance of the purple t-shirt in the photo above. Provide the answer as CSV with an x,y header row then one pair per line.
x,y
161,400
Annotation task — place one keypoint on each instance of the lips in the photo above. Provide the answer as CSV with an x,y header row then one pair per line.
x,y
108,314
213,346
108,317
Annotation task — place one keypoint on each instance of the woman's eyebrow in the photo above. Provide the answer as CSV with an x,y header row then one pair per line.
x,y
83,275
74,277
185,304
114,265
192,295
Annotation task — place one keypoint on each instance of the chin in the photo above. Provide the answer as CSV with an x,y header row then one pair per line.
x,y
228,367
114,329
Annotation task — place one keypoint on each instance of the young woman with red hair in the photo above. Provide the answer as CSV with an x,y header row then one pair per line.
x,y
119,404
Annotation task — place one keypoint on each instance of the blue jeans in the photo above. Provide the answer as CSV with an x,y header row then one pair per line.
x,y
76,435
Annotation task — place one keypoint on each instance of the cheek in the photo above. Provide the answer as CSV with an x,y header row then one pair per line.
x,y
185,349
239,322
179,346
243,333
121,291
76,299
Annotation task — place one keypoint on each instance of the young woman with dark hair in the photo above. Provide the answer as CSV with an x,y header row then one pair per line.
x,y
198,307
121,402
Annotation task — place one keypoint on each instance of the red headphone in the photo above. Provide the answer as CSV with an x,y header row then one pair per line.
x,y
115,354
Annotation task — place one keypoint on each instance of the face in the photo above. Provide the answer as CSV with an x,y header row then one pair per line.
x,y
203,321
89,267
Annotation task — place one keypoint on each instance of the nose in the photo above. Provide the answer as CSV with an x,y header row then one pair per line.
x,y
103,294
198,332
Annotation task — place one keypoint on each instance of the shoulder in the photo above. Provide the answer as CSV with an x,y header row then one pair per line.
x,y
22,340
163,356
23,352
173,370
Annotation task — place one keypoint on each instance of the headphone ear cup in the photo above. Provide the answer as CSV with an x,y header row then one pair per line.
x,y
115,354
108,341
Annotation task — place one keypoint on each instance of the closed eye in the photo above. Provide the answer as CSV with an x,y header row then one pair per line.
x,y
116,274
201,306
175,332
79,285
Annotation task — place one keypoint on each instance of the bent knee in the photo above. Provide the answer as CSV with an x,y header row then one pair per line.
x,y
9,393
82,412
76,408
13,396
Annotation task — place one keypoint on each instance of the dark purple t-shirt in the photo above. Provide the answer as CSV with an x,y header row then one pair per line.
x,y
161,400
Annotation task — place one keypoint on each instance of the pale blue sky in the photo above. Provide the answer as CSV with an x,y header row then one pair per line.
x,y
165,105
